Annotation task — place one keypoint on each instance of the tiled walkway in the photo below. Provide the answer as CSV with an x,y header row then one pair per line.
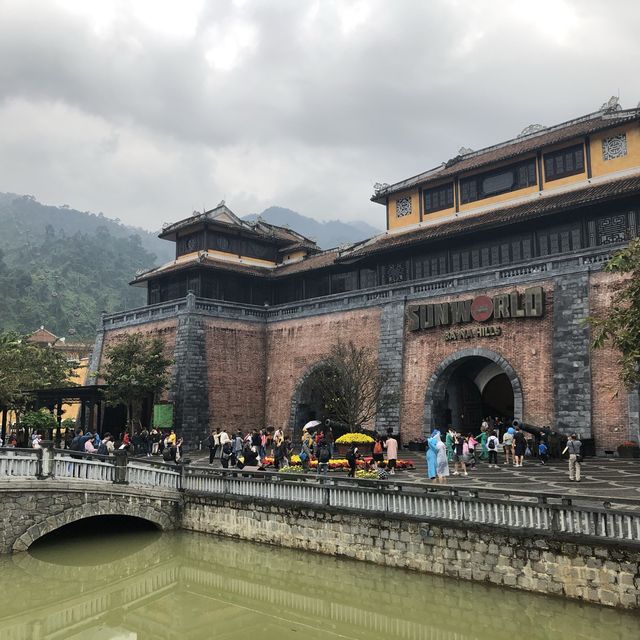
x,y
601,477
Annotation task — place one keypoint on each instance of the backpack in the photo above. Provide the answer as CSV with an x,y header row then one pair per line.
x,y
324,455
102,449
227,448
491,444
166,454
377,447
77,444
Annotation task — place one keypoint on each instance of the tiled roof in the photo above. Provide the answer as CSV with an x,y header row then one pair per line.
x,y
514,148
468,223
324,259
202,260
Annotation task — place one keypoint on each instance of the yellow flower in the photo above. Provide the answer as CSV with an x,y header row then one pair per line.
x,y
360,438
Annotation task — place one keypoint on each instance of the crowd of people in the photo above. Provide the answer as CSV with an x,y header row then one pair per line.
x,y
461,452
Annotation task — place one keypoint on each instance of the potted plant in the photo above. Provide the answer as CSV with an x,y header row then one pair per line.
x,y
362,440
629,449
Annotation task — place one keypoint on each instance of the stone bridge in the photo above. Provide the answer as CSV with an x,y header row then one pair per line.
x,y
30,509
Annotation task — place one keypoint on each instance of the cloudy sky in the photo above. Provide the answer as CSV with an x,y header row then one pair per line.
x,y
149,109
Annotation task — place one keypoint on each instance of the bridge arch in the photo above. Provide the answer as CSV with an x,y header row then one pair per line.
x,y
121,507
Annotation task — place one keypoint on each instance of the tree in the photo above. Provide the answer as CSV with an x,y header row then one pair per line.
x,y
136,369
621,326
353,387
25,367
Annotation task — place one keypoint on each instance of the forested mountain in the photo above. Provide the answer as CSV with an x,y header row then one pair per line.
x,y
61,268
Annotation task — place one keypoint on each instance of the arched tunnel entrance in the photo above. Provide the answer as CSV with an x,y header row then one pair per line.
x,y
469,386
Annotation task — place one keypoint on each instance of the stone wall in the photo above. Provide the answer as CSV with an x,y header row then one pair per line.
x,y
603,574
571,355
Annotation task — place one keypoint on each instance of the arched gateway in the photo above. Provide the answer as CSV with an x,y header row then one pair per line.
x,y
306,402
468,385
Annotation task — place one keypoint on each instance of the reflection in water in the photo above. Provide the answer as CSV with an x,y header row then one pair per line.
x,y
193,586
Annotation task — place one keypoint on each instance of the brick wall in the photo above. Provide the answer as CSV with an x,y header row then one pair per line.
x,y
609,396
525,343
236,372
295,345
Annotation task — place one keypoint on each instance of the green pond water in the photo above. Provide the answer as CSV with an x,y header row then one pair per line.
x,y
146,585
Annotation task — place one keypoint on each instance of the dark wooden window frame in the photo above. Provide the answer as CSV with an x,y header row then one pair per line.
x,y
566,151
516,185
449,198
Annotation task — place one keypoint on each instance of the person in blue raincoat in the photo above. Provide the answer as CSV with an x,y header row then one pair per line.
x,y
432,453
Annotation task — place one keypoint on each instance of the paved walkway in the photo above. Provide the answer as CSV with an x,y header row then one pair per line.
x,y
601,477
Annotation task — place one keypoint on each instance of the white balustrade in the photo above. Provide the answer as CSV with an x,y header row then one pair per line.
x,y
65,466
18,464
153,476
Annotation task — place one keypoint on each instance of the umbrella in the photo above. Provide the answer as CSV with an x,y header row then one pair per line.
x,y
312,425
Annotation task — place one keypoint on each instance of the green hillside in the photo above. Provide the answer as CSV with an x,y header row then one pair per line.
x,y
61,268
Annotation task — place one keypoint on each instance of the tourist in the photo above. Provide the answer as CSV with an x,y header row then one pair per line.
x,y
574,448
391,445
543,452
352,459
458,455
155,441
305,450
249,457
432,454
36,439
224,437
329,439
378,451
324,455
507,445
89,446
492,446
442,463
213,442
482,437
106,447
263,444
227,453
236,448
381,472
519,447
145,442
448,441
278,439
279,459
471,443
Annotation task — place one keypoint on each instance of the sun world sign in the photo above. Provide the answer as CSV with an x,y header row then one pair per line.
x,y
528,304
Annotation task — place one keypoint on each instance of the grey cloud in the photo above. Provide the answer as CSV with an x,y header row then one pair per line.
x,y
310,117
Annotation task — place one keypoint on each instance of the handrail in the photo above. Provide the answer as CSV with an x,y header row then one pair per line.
x,y
594,518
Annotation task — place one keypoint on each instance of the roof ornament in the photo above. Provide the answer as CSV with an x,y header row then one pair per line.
x,y
532,128
379,187
611,105
165,225
222,203
465,151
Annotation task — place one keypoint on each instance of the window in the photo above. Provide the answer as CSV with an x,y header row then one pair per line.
x,y
614,147
438,198
511,178
566,162
403,207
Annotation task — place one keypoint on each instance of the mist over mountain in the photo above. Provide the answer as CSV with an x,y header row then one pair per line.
x,y
62,268
327,234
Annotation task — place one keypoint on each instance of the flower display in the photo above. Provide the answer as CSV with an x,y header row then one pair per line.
x,y
366,475
335,464
291,469
359,438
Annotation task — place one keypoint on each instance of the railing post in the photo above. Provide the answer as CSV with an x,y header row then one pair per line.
x,y
45,460
121,475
